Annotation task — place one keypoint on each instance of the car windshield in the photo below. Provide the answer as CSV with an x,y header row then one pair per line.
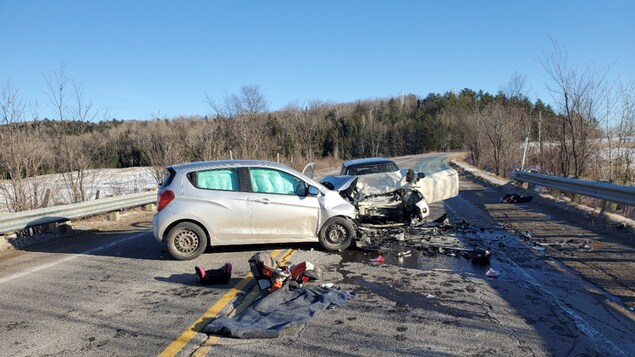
x,y
368,169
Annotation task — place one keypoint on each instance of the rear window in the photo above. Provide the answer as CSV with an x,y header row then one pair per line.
x,y
219,179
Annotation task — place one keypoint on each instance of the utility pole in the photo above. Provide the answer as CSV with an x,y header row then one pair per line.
x,y
540,138
522,164
608,138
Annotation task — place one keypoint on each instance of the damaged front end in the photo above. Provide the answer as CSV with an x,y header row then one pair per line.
x,y
399,197
401,206
373,206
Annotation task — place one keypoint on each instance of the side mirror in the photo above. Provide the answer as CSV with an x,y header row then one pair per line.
x,y
420,175
313,191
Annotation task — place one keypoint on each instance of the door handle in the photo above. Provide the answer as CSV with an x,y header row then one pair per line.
x,y
263,200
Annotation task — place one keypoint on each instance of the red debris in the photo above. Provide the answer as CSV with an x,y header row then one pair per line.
x,y
379,259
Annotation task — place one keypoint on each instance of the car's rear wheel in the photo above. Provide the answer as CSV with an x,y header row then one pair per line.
x,y
186,241
337,233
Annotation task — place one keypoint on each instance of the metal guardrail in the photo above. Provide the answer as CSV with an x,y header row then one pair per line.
x,y
602,190
12,222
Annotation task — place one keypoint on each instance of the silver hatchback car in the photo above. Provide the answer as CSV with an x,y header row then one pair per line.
x,y
216,203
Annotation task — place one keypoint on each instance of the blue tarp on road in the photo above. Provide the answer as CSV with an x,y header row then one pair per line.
x,y
270,314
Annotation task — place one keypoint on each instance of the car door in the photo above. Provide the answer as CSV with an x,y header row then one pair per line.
x,y
215,199
438,186
280,209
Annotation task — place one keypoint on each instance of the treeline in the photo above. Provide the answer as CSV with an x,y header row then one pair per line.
x,y
490,127
392,127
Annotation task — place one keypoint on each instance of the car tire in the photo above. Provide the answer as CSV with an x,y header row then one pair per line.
x,y
186,241
337,234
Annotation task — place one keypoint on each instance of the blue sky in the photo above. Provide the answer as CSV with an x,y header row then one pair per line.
x,y
143,59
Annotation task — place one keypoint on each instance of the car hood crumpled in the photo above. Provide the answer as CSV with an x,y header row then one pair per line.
x,y
434,187
345,184
375,184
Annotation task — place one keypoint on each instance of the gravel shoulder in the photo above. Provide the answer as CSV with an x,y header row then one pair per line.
x,y
579,238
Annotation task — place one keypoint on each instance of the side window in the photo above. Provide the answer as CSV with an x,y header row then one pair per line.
x,y
274,181
220,179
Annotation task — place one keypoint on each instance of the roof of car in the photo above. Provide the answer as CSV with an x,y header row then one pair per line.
x,y
369,160
197,165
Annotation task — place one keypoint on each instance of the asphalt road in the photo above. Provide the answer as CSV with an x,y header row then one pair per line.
x,y
118,293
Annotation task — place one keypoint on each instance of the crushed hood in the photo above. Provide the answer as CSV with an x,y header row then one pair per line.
x,y
434,187
344,184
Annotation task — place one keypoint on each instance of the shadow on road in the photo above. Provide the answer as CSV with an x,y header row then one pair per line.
x,y
135,242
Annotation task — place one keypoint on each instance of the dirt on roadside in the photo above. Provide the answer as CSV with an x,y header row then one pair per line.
x,y
601,251
129,219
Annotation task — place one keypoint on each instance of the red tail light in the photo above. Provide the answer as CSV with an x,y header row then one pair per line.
x,y
164,198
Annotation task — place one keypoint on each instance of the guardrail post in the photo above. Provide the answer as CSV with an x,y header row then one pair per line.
x,y
554,192
64,227
607,206
4,240
531,185
150,207
575,198
114,216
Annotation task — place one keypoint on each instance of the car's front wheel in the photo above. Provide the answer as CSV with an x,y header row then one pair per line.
x,y
186,241
337,233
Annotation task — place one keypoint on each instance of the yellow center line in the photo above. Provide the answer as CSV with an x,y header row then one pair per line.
x,y
197,326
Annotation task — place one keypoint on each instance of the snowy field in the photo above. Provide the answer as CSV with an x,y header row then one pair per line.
x,y
102,182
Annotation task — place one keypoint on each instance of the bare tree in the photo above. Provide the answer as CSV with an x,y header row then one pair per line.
x,y
83,106
625,133
207,141
502,126
76,155
162,145
57,83
515,88
247,139
249,101
373,132
12,106
472,130
300,129
252,100
225,108
578,96
20,160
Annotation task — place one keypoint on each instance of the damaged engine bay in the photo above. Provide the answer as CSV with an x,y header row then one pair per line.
x,y
392,207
